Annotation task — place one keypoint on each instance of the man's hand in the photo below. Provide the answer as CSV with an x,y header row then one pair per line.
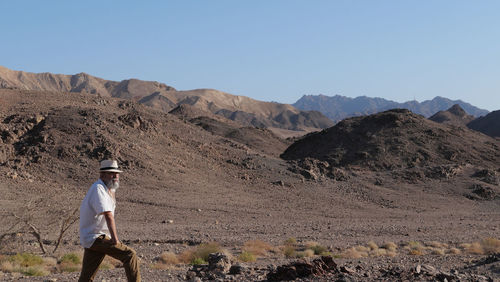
x,y
110,221
115,241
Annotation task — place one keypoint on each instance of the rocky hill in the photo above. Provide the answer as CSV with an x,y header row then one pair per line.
x,y
395,139
454,115
489,124
339,107
162,97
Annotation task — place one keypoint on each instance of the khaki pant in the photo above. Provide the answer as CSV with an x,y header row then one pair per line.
x,y
93,256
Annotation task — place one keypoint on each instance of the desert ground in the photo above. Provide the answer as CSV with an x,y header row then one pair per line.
x,y
196,180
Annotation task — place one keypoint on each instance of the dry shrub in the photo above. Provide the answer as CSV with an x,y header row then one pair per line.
x,y
36,270
454,251
71,258
390,246
438,251
318,250
289,251
290,242
168,258
465,246
166,261
49,261
353,253
199,253
416,252
26,259
372,245
68,267
378,252
391,253
362,249
475,248
306,253
257,247
7,266
490,246
246,257
415,248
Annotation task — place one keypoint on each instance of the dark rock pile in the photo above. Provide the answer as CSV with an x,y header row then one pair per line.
x,y
300,269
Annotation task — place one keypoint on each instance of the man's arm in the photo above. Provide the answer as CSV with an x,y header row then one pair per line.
x,y
110,220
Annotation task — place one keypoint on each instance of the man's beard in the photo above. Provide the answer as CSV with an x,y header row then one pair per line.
x,y
113,185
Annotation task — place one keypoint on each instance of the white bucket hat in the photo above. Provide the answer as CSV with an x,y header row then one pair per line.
x,y
109,166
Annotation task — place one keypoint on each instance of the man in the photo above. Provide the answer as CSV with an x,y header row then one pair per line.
x,y
97,226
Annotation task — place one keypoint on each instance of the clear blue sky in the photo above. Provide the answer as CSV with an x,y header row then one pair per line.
x,y
269,50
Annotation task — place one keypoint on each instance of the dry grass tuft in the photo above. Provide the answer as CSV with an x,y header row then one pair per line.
x,y
199,254
486,246
72,258
415,248
6,266
36,270
490,246
438,251
305,254
68,267
372,245
454,251
390,246
475,249
49,261
362,249
353,253
169,258
257,247
246,257
289,251
290,242
378,252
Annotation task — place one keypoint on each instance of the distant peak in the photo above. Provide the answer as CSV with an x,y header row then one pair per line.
x,y
457,110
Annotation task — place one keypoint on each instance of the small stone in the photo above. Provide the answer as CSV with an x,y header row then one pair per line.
x,y
428,269
418,269
170,221
346,269
198,210
156,244
235,269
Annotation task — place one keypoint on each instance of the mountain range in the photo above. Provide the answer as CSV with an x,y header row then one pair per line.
x,y
339,107
309,113
160,96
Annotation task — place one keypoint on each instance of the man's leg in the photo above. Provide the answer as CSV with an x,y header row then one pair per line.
x,y
122,253
90,264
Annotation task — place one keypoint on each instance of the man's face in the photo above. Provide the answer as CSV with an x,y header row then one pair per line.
x,y
111,179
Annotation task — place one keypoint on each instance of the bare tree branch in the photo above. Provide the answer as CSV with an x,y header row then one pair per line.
x,y
35,233
65,225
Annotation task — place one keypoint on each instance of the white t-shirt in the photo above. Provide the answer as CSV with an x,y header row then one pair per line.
x,y
92,221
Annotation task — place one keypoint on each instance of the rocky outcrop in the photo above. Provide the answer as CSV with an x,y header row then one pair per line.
x,y
395,139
